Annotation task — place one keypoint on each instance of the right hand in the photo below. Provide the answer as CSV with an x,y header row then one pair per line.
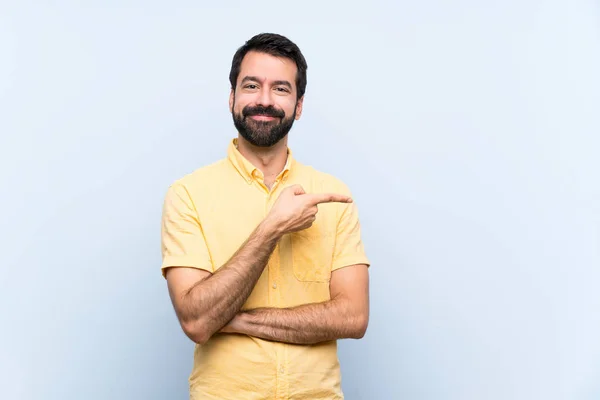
x,y
295,209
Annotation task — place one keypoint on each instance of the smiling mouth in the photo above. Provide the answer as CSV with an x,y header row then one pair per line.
x,y
262,117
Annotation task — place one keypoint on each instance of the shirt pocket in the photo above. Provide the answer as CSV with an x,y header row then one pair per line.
x,y
312,254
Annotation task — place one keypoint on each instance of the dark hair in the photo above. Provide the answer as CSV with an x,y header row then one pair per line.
x,y
275,45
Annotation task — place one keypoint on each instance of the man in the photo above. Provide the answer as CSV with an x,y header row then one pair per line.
x,y
263,255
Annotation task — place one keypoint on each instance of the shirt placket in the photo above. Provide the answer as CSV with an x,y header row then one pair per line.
x,y
275,299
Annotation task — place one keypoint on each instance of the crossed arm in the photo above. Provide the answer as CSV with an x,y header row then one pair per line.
x,y
346,315
207,303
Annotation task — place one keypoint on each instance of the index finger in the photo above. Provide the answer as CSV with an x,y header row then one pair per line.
x,y
317,198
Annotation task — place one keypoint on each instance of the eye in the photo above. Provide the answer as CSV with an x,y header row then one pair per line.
x,y
282,89
250,86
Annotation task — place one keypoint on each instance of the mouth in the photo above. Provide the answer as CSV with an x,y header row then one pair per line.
x,y
262,117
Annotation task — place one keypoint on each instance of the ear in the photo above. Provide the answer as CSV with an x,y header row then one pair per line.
x,y
231,98
299,104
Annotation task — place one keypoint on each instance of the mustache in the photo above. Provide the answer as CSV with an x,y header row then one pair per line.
x,y
269,111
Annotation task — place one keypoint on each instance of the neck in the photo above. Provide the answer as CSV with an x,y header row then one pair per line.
x,y
269,160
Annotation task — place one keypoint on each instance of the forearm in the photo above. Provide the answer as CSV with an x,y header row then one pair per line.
x,y
306,324
214,301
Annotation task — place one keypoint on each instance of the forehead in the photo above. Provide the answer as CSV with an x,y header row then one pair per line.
x,y
266,66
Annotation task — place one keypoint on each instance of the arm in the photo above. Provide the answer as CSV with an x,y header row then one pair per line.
x,y
346,315
205,301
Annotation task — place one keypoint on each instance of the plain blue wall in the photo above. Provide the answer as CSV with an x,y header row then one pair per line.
x,y
467,130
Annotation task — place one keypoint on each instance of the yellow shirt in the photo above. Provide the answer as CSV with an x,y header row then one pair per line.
x,y
207,216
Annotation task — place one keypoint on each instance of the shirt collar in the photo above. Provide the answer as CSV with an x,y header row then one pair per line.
x,y
248,171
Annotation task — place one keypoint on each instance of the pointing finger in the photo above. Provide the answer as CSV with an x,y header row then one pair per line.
x,y
329,198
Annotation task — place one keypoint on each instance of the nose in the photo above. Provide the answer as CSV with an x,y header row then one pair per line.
x,y
265,97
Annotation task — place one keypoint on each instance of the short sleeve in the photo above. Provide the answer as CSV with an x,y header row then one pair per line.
x,y
182,239
349,247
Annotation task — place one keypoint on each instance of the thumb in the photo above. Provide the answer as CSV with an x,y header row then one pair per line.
x,y
297,189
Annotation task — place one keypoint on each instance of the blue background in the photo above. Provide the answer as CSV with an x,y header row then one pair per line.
x,y
467,131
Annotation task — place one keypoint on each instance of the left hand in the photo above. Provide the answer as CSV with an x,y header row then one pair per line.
x,y
232,326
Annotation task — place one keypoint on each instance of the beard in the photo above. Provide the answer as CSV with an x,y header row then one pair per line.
x,y
263,133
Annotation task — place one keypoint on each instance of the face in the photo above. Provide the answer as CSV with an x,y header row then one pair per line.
x,y
264,103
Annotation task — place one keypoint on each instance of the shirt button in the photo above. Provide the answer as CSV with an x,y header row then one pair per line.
x,y
274,286
281,370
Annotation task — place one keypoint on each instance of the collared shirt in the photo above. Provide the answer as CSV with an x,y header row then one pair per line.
x,y
207,216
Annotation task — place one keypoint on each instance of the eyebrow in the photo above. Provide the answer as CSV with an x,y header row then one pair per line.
x,y
256,79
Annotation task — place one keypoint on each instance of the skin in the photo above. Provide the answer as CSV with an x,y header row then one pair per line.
x,y
346,315
207,303
260,82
